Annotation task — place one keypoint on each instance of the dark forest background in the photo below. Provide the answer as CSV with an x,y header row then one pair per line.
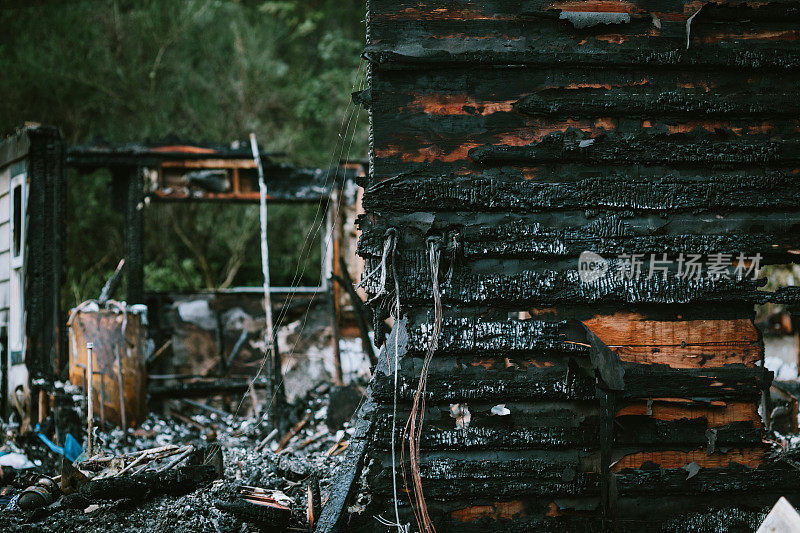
x,y
202,70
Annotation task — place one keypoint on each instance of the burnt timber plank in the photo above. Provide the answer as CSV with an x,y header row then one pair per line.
x,y
677,459
635,337
476,335
517,433
510,476
524,285
631,102
333,513
453,381
543,34
679,344
773,235
629,430
675,149
714,413
773,191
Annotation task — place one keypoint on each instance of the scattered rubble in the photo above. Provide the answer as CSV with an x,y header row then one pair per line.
x,y
195,470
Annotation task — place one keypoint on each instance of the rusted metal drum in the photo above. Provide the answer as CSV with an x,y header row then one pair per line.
x,y
119,342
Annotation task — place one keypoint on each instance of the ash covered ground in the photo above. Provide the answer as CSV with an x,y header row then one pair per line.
x,y
312,454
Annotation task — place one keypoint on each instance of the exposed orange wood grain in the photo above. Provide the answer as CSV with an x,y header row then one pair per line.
x,y
495,511
751,457
675,410
595,85
426,154
706,86
691,356
712,125
605,123
779,35
631,328
553,509
679,344
613,38
210,163
455,104
421,151
539,129
492,363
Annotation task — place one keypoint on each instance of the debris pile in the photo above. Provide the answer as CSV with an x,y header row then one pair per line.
x,y
195,470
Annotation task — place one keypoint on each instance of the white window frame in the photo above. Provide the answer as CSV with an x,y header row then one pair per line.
x,y
16,323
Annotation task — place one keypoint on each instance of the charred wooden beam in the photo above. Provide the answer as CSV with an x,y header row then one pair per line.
x,y
520,285
676,149
451,381
774,190
43,251
202,389
333,515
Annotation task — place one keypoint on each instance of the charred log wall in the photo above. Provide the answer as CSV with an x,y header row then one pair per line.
x,y
521,134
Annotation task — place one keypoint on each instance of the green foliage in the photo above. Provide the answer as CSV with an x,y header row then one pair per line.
x,y
204,257
214,70
95,236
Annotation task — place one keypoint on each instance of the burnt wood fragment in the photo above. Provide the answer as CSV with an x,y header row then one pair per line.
x,y
174,482
333,516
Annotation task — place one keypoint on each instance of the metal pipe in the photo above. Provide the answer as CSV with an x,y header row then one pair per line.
x,y
269,341
237,348
208,408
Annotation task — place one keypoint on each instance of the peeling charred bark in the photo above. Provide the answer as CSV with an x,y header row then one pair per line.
x,y
518,286
677,149
775,190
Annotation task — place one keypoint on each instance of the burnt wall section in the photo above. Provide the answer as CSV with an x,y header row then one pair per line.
x,y
521,135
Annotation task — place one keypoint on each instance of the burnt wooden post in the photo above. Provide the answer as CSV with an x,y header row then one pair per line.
x,y
44,253
333,252
134,235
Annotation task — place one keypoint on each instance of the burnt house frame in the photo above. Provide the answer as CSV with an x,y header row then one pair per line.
x,y
184,172
33,184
